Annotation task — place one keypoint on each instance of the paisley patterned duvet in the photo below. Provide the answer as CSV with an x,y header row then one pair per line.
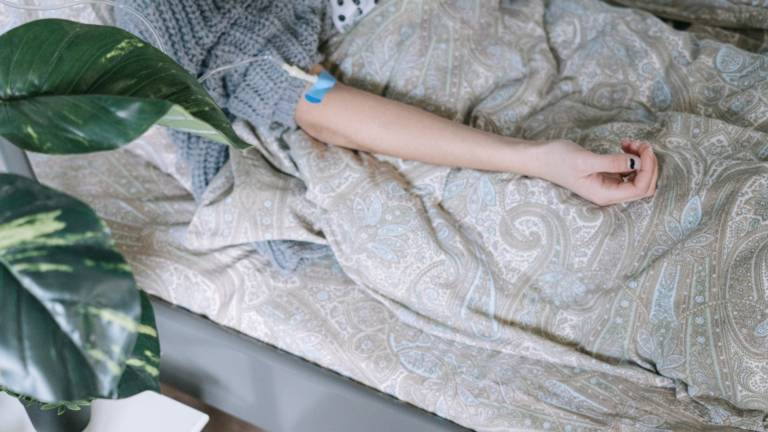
x,y
497,301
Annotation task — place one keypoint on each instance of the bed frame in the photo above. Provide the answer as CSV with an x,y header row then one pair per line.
x,y
259,383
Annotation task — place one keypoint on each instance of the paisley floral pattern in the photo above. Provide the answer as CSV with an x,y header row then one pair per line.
x,y
726,13
497,301
666,291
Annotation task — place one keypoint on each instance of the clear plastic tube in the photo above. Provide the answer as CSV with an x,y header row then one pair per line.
x,y
82,2
246,61
291,70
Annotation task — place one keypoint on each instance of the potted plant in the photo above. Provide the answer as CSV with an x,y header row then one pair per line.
x,y
75,327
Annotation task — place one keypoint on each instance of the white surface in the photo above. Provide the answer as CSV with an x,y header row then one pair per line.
x,y
145,412
13,418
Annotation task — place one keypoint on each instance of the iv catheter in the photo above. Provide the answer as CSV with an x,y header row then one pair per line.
x,y
320,83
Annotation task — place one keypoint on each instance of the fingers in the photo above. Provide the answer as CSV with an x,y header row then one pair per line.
x,y
640,183
626,145
655,179
616,163
612,179
634,148
621,178
630,146
645,179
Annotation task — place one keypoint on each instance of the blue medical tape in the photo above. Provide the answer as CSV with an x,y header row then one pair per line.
x,y
324,83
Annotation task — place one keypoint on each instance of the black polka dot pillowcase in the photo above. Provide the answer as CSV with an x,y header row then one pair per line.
x,y
347,12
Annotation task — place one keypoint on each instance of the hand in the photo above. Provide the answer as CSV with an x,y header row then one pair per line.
x,y
598,178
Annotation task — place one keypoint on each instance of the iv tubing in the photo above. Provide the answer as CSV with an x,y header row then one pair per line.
x,y
219,69
291,70
81,2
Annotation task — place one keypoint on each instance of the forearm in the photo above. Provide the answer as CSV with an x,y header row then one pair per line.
x,y
358,120
354,119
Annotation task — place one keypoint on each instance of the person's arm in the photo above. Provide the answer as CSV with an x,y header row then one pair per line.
x,y
354,119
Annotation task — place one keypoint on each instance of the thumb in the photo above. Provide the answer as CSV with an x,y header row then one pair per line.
x,y
616,163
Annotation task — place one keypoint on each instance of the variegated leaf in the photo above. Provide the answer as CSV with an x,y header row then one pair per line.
x,y
142,370
68,301
78,88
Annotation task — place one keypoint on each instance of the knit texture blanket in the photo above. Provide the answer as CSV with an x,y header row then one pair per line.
x,y
202,35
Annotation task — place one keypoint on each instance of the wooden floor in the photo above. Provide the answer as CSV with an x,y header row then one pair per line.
x,y
220,421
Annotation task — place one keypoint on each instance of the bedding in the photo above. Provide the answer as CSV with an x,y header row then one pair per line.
x,y
206,35
323,316
203,35
667,292
725,13
497,301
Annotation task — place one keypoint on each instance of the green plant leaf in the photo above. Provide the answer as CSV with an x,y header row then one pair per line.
x,y
143,370
67,88
68,301
30,401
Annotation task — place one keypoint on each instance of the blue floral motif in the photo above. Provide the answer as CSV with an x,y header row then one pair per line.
x,y
762,329
661,94
728,59
422,363
663,307
454,188
677,232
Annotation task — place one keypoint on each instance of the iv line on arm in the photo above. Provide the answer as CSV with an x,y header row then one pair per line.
x,y
320,84
293,71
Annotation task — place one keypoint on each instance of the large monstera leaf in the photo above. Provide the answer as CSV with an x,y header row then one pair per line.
x,y
70,88
70,312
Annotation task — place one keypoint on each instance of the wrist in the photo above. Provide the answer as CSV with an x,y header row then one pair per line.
x,y
528,158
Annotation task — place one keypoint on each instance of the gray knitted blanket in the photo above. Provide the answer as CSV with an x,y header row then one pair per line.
x,y
202,35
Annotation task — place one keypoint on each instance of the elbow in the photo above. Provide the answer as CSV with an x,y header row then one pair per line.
x,y
312,122
309,120
313,128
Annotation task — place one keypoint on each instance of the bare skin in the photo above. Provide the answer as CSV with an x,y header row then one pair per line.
x,y
357,120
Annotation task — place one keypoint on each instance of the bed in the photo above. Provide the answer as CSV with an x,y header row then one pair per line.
x,y
495,301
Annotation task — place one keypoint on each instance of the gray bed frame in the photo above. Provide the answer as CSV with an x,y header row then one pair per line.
x,y
259,383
